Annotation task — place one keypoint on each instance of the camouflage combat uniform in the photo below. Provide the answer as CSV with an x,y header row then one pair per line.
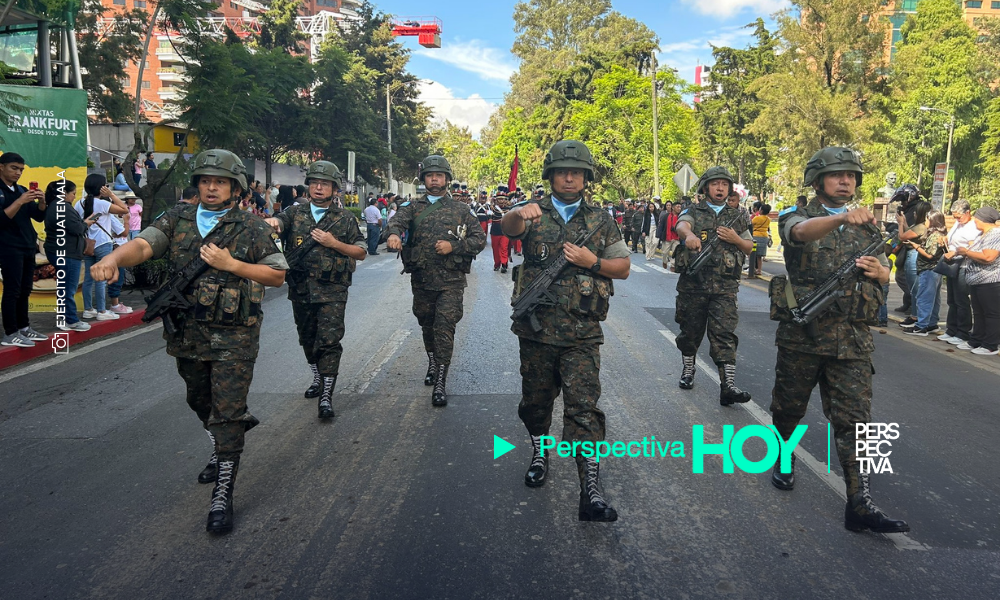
x,y
708,300
438,281
565,354
627,225
217,340
839,357
318,288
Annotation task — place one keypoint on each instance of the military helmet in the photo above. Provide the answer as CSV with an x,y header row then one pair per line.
x,y
221,163
435,163
832,160
568,154
324,169
713,173
905,193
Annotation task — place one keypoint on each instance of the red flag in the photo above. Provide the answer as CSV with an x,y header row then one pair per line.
x,y
512,180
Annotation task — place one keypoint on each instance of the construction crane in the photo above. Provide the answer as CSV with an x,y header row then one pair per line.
x,y
426,29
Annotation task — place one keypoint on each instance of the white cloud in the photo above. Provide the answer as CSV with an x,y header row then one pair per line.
x,y
472,112
474,56
686,55
730,8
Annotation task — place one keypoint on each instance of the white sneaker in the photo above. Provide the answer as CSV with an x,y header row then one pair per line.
x,y
120,309
31,334
89,313
955,341
984,352
944,337
78,326
106,316
965,346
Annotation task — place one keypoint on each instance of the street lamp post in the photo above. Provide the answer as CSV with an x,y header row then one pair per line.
x,y
947,159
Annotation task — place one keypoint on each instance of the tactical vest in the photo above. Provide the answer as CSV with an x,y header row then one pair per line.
x,y
419,252
727,260
321,264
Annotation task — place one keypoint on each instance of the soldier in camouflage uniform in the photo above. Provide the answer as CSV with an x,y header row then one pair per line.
x,y
217,339
444,237
707,300
627,222
563,354
318,284
836,352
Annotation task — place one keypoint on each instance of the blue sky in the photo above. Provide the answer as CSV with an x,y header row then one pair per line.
x,y
466,78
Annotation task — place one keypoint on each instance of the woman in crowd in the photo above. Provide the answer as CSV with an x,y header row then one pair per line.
x,y
99,206
761,224
928,298
63,222
134,218
983,276
914,235
649,227
120,232
962,234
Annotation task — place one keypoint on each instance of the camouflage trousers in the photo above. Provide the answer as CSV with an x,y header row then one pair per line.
x,y
547,370
845,387
715,312
321,327
438,313
217,392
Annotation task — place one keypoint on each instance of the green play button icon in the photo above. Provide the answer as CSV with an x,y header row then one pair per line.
x,y
501,447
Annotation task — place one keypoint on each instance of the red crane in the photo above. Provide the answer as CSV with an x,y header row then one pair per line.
x,y
426,29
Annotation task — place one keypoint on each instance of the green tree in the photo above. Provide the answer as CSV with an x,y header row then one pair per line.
x,y
457,144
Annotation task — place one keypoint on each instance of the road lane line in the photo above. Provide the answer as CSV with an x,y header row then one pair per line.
x,y
835,483
638,269
386,352
660,269
61,358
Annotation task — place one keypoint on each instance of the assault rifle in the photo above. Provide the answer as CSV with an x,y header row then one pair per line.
x,y
170,296
538,294
708,248
818,301
296,255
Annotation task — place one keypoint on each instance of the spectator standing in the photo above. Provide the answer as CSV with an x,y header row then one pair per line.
x,y
911,229
134,214
149,163
649,218
119,237
63,222
983,275
101,204
672,239
928,298
761,231
962,234
373,218
18,246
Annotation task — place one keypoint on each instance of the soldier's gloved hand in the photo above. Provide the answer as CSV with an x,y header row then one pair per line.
x,y
859,216
530,212
324,238
217,258
579,255
275,223
443,247
105,270
394,243
692,243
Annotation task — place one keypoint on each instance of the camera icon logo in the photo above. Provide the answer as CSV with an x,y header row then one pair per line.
x,y
60,343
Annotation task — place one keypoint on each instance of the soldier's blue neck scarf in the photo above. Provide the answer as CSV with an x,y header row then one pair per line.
x,y
207,219
318,213
433,199
566,211
716,207
836,211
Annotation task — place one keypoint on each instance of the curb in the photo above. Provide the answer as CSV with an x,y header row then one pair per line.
x,y
11,356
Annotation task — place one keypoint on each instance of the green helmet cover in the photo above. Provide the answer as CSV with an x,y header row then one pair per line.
x,y
832,159
324,169
569,154
221,163
713,173
435,163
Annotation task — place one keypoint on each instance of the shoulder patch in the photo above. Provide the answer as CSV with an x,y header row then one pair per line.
x,y
407,203
683,212
788,210
524,202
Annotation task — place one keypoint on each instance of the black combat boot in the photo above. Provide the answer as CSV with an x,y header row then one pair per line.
x,y
207,474
687,374
783,481
431,370
317,384
503,268
326,398
593,507
535,477
220,515
861,513
728,392
440,395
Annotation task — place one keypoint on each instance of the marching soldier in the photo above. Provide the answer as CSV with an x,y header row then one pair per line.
x,y
627,221
216,340
707,300
563,354
323,244
443,239
817,240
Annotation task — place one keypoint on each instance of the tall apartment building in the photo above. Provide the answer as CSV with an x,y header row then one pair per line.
x,y
164,73
897,12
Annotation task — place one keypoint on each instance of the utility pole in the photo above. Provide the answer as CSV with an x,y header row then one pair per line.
x,y
656,130
388,123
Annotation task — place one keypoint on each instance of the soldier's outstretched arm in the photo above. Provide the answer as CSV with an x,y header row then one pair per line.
x,y
816,228
263,273
128,254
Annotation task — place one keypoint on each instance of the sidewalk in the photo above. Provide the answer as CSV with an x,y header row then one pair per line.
x,y
45,322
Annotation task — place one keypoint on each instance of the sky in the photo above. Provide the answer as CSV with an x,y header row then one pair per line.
x,y
465,80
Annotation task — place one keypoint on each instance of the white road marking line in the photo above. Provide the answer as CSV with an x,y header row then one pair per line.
x,y
660,269
61,358
835,483
386,352
638,269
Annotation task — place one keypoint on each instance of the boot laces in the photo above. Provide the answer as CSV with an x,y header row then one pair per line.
x,y
592,478
688,366
317,379
327,390
215,456
431,365
439,383
537,460
729,372
222,485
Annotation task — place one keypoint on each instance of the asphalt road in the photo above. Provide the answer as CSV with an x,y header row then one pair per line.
x,y
396,499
